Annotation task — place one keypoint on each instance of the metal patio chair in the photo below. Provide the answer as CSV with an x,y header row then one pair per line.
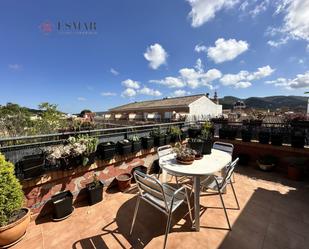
x,y
161,196
218,184
226,147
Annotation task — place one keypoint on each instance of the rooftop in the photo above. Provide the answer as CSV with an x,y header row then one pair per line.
x,y
274,214
159,103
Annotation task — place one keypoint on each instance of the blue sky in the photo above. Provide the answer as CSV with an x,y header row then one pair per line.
x,y
151,49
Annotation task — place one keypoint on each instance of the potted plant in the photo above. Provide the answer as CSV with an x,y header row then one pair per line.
x,y
246,135
159,137
124,181
184,133
63,205
244,159
194,131
175,133
256,122
276,137
196,144
91,144
14,219
298,139
31,166
95,190
69,155
223,133
136,143
124,147
147,142
267,162
140,168
184,155
264,137
206,136
167,138
106,150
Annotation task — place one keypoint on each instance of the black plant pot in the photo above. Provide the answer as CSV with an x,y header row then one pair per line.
x,y
297,141
223,133
136,146
246,135
231,133
159,140
124,148
106,151
168,139
95,192
193,132
71,162
140,168
184,135
63,205
175,138
264,137
31,166
197,146
276,139
147,142
89,159
207,147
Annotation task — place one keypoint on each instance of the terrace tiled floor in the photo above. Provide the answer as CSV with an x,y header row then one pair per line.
x,y
274,214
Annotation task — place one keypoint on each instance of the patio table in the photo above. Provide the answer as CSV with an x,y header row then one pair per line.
x,y
208,165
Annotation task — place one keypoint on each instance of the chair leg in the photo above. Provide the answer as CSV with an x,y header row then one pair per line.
x,y
135,214
177,182
189,206
235,195
167,230
227,218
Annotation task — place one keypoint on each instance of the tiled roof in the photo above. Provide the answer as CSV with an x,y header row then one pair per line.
x,y
160,103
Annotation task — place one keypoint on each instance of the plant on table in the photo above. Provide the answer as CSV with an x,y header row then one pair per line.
x,y
184,154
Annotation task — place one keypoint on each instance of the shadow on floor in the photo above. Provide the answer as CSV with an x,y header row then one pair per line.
x,y
150,223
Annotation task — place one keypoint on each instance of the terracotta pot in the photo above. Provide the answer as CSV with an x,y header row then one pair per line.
x,y
294,173
12,233
124,181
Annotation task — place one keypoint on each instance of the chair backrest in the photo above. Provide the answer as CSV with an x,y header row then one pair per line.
x,y
226,147
164,150
228,175
150,187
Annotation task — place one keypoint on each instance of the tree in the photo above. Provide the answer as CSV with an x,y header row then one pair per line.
x,y
51,119
14,120
83,112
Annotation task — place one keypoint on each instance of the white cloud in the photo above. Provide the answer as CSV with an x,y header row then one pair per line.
x,y
180,93
156,55
129,92
114,71
15,67
295,21
131,84
148,91
191,77
259,8
300,81
203,11
171,82
278,43
226,50
200,48
243,78
81,99
108,94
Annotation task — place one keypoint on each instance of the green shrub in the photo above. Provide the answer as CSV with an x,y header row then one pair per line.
x,y
11,194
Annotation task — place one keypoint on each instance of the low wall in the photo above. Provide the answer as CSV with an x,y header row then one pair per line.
x,y
286,154
38,192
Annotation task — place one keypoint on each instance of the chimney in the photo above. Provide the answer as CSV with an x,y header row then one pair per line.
x,y
207,95
216,100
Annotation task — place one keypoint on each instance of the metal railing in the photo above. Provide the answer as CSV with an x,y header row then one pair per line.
x,y
15,148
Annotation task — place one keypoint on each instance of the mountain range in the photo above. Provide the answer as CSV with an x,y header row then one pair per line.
x,y
293,103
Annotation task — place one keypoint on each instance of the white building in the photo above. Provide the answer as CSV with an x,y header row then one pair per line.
x,y
192,107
